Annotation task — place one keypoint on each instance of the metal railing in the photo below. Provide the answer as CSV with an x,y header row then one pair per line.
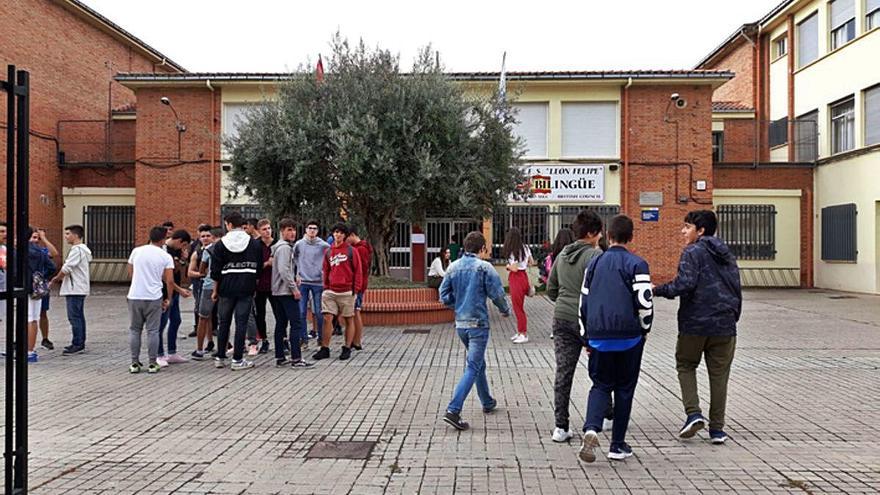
x,y
748,230
110,231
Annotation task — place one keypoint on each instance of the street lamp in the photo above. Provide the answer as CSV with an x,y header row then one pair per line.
x,y
181,127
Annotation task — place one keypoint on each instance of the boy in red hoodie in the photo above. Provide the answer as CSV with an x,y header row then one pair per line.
x,y
365,253
343,279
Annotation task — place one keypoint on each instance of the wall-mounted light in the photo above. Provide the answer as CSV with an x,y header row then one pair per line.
x,y
181,127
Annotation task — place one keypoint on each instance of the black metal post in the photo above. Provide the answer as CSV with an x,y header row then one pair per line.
x,y
23,126
9,301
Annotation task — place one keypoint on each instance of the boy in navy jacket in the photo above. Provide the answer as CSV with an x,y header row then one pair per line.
x,y
616,312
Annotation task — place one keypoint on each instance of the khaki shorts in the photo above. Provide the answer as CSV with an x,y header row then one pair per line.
x,y
337,303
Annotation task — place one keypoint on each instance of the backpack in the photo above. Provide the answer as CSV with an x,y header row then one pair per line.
x,y
545,268
40,286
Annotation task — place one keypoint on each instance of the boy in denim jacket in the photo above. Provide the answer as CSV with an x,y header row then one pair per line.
x,y
468,282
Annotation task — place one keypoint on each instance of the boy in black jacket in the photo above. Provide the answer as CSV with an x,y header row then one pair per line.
x,y
616,312
711,301
236,263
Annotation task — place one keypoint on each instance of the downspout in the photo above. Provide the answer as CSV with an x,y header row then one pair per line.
x,y
215,200
625,198
756,65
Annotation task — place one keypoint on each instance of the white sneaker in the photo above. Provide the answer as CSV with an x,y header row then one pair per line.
x,y
589,446
521,339
560,435
175,359
241,365
514,337
162,361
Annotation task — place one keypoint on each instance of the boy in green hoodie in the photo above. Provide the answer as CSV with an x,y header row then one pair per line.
x,y
564,289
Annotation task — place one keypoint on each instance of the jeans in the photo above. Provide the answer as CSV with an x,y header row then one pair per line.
x,y
718,352
616,372
286,311
315,291
240,309
77,319
260,299
171,316
475,341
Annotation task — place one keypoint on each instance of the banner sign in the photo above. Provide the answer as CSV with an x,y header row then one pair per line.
x,y
566,183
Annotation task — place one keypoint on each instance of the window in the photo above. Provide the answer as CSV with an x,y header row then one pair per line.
x,y
589,129
872,116
530,220
109,231
748,230
839,233
843,126
872,19
233,115
843,22
717,146
806,137
808,40
779,132
780,46
531,127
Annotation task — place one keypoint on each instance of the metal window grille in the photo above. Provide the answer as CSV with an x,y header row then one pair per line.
x,y
749,230
109,231
247,211
439,232
839,233
400,247
779,132
532,221
806,137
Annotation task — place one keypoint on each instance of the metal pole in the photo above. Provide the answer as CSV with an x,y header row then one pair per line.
x,y
9,301
21,378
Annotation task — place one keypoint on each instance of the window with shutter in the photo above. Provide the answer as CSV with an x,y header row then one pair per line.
x,y
872,116
842,22
589,129
808,40
872,14
531,127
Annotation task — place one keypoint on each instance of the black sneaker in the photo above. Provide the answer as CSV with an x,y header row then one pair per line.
x,y
197,355
264,347
47,344
281,362
209,347
313,335
337,331
357,347
192,334
301,364
492,408
73,349
694,423
454,420
345,354
323,353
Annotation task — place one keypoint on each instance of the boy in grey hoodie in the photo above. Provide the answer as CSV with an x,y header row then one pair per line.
x,y
308,255
285,297
75,285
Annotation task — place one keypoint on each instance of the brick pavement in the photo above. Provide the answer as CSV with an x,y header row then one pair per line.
x,y
803,413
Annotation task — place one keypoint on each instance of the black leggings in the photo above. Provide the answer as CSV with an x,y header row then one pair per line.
x,y
260,300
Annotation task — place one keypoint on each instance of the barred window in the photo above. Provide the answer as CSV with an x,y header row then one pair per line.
x,y
530,220
109,231
749,230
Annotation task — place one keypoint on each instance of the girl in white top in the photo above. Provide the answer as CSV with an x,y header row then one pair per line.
x,y
438,268
519,257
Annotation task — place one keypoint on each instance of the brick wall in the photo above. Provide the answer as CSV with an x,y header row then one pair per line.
x,y
739,140
166,188
740,60
779,178
71,63
652,153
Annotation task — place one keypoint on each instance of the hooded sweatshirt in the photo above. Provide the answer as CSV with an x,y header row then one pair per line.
x,y
365,252
77,281
566,278
308,255
709,286
342,269
283,269
236,263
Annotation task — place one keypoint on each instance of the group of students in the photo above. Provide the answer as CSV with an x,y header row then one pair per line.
x,y
41,273
233,276
604,305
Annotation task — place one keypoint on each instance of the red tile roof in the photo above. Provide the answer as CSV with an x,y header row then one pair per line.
x,y
127,108
730,106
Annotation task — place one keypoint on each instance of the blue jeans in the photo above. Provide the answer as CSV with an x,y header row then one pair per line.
x,y
315,291
616,372
77,319
286,311
171,316
475,340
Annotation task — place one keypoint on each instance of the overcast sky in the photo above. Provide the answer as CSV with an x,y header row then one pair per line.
x,y
277,36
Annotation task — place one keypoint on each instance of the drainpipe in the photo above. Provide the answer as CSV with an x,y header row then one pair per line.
x,y
215,200
625,198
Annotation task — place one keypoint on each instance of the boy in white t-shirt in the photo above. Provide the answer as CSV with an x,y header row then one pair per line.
x,y
149,267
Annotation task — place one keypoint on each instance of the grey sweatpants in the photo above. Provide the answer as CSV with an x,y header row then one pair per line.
x,y
149,314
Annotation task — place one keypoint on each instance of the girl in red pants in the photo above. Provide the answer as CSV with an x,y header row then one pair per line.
x,y
518,258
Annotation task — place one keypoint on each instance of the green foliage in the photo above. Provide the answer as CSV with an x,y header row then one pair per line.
x,y
377,144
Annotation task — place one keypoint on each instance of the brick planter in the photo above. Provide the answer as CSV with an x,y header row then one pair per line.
x,y
388,307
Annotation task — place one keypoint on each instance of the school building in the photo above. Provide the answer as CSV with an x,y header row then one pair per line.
x,y
748,132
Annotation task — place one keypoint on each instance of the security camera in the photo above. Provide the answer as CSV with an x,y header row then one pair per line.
x,y
680,103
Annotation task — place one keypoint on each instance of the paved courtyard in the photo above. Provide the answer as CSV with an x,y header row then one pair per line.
x,y
804,413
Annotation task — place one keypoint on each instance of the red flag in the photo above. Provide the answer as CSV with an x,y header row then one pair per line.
x,y
319,70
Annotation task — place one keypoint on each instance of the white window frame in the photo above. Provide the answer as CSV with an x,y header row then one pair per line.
x,y
780,46
847,121
872,15
571,138
529,153
843,32
227,116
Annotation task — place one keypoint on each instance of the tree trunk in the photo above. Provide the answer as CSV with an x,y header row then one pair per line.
x,y
381,233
